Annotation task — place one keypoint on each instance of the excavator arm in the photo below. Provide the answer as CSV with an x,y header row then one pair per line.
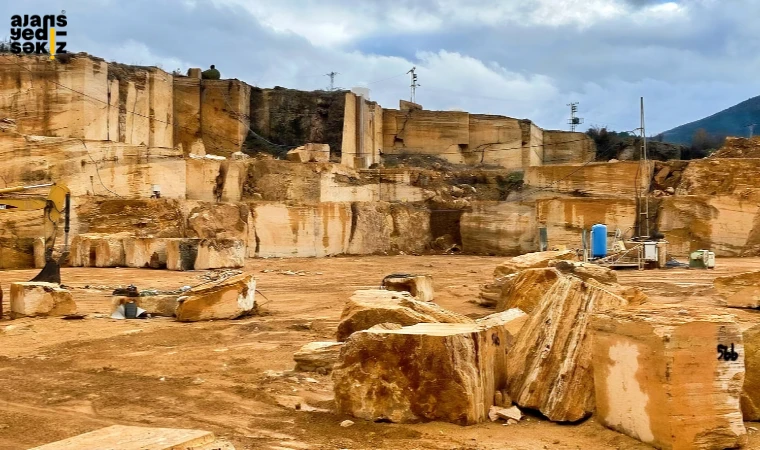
x,y
57,204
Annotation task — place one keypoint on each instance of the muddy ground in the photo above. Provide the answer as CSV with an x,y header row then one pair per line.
x,y
65,377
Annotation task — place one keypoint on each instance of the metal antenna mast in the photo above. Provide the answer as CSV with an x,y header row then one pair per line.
x,y
645,195
574,121
414,84
332,79
751,129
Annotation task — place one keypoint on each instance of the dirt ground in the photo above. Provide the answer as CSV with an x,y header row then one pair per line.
x,y
65,377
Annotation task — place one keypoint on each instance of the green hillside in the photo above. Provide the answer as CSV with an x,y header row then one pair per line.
x,y
729,122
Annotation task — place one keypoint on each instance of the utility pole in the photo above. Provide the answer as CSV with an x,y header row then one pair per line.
x,y
414,85
645,195
574,121
332,79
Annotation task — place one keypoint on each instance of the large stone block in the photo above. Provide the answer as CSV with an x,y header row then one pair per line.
x,y
317,356
155,305
367,308
145,252
429,371
499,228
420,286
40,299
220,253
659,378
533,260
181,254
225,299
740,291
550,363
310,153
527,289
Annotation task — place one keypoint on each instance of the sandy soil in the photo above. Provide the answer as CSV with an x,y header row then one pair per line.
x,y
65,377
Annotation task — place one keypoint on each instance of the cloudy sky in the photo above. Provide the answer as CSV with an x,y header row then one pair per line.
x,y
520,58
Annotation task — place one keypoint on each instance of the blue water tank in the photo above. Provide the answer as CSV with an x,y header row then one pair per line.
x,y
599,241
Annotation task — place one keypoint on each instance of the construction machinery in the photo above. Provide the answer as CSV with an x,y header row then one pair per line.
x,y
56,204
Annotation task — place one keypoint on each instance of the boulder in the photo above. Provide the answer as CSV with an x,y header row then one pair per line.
x,y
310,153
220,254
527,288
429,371
228,298
155,305
491,293
740,291
316,356
40,299
659,379
181,254
367,308
550,363
420,286
532,261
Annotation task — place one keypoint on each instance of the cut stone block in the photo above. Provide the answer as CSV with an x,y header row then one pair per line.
x,y
155,305
98,250
549,366
220,254
316,356
181,254
310,153
367,308
135,438
225,299
145,252
429,371
420,286
534,260
526,289
39,253
670,376
749,324
109,252
740,291
40,299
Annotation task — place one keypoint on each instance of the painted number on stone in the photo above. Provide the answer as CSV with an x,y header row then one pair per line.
x,y
726,354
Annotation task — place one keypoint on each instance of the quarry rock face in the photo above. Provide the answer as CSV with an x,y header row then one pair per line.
x,y
181,254
367,308
429,371
229,298
549,366
740,291
659,379
316,356
420,286
40,299
531,261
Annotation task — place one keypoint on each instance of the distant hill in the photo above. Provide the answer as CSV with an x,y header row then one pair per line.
x,y
729,122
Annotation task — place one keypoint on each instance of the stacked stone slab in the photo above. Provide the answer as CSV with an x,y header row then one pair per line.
x,y
370,307
428,371
40,299
671,377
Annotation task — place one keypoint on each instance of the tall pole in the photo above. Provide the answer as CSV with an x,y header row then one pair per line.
x,y
414,84
645,168
332,79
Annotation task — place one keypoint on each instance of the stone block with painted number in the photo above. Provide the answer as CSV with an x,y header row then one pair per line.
x,y
670,376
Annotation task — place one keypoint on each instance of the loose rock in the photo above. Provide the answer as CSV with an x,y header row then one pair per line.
x,y
225,299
